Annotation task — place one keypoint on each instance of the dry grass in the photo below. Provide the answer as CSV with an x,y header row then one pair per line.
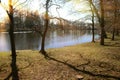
x,y
67,62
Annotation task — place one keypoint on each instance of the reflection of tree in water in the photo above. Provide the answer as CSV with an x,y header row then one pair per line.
x,y
30,39
67,37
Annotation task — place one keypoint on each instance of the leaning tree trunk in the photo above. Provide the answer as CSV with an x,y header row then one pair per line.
x,y
13,63
46,28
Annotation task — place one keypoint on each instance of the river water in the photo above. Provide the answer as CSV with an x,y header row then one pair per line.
x,y
54,39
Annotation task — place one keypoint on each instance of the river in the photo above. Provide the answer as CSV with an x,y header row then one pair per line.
x,y
54,39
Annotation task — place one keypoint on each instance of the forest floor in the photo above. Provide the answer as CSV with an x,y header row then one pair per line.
x,y
90,60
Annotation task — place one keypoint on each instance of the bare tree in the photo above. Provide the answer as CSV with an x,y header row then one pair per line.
x,y
46,27
14,72
115,18
102,24
14,69
92,12
100,19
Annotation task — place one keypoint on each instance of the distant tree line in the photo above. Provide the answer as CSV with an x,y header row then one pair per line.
x,y
25,21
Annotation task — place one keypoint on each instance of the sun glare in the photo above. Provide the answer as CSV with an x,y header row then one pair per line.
x,y
3,17
3,8
3,14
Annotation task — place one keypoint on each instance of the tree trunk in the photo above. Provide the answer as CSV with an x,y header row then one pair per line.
x,y
13,63
113,34
102,36
115,17
117,32
46,29
104,32
100,19
102,23
43,37
93,33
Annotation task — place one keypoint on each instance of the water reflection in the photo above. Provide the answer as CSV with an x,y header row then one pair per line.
x,y
66,38
27,41
4,42
54,39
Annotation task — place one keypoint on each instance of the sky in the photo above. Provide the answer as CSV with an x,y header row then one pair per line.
x,y
71,10
2,14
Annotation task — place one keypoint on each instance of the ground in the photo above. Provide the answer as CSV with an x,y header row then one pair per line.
x,y
89,60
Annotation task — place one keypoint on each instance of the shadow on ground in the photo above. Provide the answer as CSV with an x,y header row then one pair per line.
x,y
81,70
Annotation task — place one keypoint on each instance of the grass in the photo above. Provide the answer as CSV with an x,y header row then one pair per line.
x,y
91,60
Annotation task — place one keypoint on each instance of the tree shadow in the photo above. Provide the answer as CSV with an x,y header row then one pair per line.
x,y
116,44
16,71
113,43
81,70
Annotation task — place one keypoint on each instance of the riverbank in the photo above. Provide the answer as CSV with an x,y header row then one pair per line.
x,y
90,60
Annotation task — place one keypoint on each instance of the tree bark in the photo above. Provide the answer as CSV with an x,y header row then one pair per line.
x,y
102,36
115,17
43,36
100,19
93,33
113,34
102,23
117,32
46,28
13,63
105,34
93,29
